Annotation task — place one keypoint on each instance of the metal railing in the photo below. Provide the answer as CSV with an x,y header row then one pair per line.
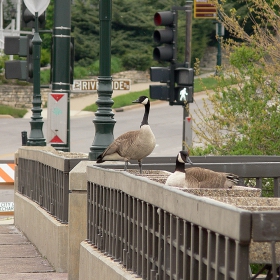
x,y
159,232
47,183
155,242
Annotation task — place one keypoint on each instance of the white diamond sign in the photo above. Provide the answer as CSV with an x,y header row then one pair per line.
x,y
37,6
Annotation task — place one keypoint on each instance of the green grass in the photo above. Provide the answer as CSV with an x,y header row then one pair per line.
x,y
121,100
126,99
14,112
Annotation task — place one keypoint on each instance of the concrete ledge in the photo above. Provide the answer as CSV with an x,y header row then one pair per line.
x,y
45,232
95,265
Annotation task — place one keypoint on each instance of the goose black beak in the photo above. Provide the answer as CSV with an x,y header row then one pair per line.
x,y
189,161
136,101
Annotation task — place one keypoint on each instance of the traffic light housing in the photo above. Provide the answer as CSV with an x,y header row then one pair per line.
x,y
166,36
21,46
165,52
179,84
184,83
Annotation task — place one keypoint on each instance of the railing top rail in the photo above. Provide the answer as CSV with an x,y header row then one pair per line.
x,y
242,169
216,159
49,156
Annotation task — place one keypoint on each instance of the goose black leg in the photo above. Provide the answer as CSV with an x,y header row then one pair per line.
x,y
125,165
140,165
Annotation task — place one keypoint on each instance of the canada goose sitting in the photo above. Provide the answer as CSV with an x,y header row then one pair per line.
x,y
136,144
177,179
196,177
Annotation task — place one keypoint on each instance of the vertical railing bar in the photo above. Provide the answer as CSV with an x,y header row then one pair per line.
x,y
276,187
177,267
96,212
125,228
107,238
217,256
144,239
164,244
159,211
138,235
227,255
121,224
259,183
154,239
192,260
171,217
129,239
89,189
185,255
149,238
200,246
117,224
209,251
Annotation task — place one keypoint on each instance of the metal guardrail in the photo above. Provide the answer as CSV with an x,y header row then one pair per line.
x,y
158,233
47,184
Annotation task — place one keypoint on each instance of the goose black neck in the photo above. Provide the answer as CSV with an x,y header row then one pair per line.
x,y
180,166
146,114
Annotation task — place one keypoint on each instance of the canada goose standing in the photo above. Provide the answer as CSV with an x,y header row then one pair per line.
x,y
136,144
197,177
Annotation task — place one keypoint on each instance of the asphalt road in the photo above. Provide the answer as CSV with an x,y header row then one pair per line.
x,y
166,122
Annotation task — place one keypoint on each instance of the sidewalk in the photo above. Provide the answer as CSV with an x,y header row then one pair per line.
x,y
19,258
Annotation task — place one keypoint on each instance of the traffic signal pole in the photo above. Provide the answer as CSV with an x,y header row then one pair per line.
x,y
187,134
61,59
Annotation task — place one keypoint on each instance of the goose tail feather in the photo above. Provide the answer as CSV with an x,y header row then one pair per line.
x,y
233,178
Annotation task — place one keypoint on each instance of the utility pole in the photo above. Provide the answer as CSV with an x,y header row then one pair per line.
x,y
61,59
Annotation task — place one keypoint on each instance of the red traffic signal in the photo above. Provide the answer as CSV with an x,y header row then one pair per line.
x,y
163,18
165,36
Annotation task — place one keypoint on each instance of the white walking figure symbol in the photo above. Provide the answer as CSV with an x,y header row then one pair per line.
x,y
184,94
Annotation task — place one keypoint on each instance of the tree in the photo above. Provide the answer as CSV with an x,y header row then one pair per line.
x,y
244,118
132,32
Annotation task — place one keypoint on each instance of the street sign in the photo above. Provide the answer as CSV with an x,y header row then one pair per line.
x,y
205,9
91,85
57,118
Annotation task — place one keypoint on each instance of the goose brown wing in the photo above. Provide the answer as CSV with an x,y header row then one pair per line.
x,y
207,178
191,182
120,143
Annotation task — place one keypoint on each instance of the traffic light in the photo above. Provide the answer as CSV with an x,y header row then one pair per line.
x,y
166,52
166,36
28,19
21,46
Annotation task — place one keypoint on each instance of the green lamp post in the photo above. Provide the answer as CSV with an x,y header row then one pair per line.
x,y
36,138
104,121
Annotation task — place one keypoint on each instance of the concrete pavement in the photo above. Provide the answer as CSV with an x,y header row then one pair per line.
x,y
19,258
